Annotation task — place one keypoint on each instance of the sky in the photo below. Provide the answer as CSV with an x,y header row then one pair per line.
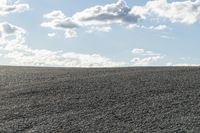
x,y
112,33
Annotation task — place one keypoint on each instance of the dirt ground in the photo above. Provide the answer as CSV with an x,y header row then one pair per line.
x,y
100,100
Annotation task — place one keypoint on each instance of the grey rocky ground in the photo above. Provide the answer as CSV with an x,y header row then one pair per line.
x,y
137,100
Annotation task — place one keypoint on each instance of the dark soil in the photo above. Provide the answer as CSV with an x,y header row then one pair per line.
x,y
113,100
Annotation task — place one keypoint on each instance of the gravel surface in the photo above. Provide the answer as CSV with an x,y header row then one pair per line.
x,y
113,100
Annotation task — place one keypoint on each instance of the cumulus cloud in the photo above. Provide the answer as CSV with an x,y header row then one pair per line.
x,y
16,52
144,58
97,18
183,12
60,24
34,57
116,13
119,13
7,7
58,21
10,34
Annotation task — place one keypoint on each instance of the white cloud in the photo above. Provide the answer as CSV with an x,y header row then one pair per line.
x,y
34,57
133,26
159,27
119,13
10,34
58,21
51,34
181,64
57,14
155,28
16,52
116,13
144,58
183,12
60,24
7,7
3,2
138,51
70,33
97,18
145,61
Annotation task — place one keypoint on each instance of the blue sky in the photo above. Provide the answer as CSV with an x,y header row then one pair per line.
x,y
99,33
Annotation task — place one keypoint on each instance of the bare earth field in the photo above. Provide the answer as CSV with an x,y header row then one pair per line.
x,y
113,100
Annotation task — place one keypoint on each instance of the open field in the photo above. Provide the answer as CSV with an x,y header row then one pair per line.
x,y
137,100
